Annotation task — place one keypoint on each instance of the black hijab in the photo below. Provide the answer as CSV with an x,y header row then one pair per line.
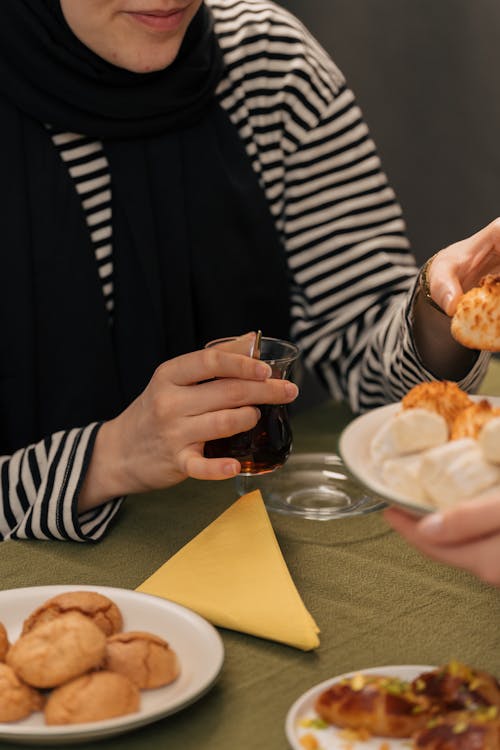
x,y
190,224
53,77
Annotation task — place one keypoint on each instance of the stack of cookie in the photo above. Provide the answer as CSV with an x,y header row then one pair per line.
x,y
74,662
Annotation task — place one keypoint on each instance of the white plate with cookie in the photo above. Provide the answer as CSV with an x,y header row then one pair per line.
x,y
355,446
196,643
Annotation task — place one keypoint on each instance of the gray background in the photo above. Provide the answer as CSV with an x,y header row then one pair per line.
x,y
427,76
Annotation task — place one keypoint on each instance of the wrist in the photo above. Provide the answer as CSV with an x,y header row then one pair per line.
x,y
105,478
424,287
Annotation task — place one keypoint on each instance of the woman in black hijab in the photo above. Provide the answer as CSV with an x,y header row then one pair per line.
x,y
206,175
63,362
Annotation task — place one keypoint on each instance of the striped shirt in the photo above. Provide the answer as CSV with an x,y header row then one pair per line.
x,y
353,276
88,166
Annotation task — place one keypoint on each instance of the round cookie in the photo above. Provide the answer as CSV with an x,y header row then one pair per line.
x,y
470,421
58,651
476,322
92,697
17,700
98,607
144,658
442,396
4,643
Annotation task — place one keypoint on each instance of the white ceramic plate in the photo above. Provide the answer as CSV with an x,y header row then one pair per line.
x,y
354,447
196,642
331,738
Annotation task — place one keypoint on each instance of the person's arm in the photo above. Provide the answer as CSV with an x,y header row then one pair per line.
x,y
466,536
448,274
353,275
159,439
61,488
40,486
439,351
358,314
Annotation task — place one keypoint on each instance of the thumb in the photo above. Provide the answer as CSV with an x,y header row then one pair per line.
x,y
448,299
466,521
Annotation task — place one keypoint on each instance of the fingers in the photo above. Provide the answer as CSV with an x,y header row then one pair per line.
x,y
465,522
238,345
459,267
220,424
446,538
219,395
198,467
207,364
402,522
445,285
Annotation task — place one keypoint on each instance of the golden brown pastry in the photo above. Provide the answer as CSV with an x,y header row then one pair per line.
x,y
4,643
476,322
456,686
99,608
144,658
384,706
470,421
441,396
92,697
58,651
17,700
460,731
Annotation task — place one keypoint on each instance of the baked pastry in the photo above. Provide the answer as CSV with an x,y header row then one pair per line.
x,y
17,700
456,471
478,730
92,697
476,322
99,608
382,705
441,396
456,687
470,421
58,651
144,658
4,642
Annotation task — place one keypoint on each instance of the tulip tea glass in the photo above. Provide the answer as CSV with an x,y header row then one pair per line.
x,y
315,486
267,446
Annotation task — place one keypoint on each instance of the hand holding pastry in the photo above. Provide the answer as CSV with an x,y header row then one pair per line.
x,y
459,267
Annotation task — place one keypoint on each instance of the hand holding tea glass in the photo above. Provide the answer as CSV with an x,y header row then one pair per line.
x,y
315,486
267,446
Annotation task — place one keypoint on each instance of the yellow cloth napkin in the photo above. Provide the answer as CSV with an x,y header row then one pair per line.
x,y
233,574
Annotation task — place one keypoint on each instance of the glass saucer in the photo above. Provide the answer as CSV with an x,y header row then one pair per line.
x,y
312,485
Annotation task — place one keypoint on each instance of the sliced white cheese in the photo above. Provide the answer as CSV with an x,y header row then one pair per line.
x,y
489,440
456,471
409,431
402,474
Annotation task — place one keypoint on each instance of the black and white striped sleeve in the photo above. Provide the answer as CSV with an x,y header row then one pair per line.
x,y
351,268
354,275
39,490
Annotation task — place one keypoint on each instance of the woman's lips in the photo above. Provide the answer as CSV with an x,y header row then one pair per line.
x,y
159,20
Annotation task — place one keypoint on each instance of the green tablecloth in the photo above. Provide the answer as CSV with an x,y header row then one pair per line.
x,y
377,602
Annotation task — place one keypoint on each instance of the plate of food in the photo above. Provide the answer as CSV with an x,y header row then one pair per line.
x,y
396,708
434,448
79,663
